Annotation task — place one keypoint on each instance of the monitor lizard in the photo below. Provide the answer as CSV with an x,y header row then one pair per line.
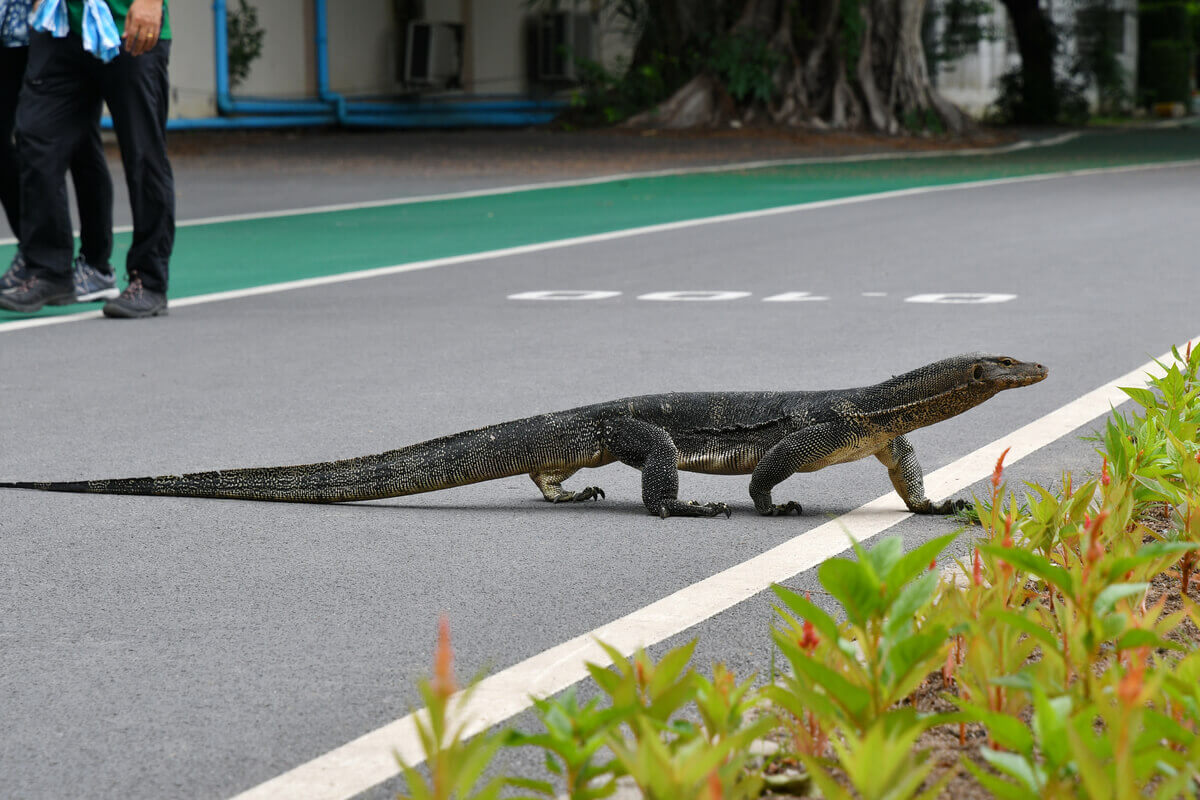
x,y
768,435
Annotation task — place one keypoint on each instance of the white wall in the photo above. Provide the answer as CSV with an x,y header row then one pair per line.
x,y
192,76
362,48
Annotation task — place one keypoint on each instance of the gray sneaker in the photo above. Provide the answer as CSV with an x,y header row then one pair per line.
x,y
16,273
91,284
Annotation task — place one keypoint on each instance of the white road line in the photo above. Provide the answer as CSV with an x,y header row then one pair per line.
x,y
368,760
1024,144
325,280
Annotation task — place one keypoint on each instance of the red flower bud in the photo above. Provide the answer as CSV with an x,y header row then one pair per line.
x,y
809,641
1104,479
443,661
999,470
977,569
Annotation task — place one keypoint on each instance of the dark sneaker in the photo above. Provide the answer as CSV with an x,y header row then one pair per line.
x,y
92,284
136,302
33,293
16,274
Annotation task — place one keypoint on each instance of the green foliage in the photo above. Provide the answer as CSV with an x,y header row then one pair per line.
x,y
953,28
610,97
852,27
1099,30
879,765
245,38
456,763
573,738
745,64
1166,74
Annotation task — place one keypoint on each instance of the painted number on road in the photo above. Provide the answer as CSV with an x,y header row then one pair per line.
x,y
691,296
959,297
562,294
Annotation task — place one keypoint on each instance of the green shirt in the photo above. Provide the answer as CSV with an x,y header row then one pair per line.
x,y
119,9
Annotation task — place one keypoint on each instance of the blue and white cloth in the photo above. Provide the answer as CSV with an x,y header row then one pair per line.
x,y
100,35
14,22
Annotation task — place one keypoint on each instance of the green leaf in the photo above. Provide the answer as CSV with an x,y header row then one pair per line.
x,y
1143,397
670,667
1108,597
807,610
1015,766
997,786
852,585
1035,565
1031,628
1008,731
1143,637
541,787
914,597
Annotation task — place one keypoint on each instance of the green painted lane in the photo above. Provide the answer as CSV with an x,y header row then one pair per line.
x,y
225,256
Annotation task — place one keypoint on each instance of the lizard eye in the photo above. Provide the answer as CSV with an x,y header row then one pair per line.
x,y
977,373
1008,362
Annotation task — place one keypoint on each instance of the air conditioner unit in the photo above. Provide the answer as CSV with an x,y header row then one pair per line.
x,y
433,54
562,37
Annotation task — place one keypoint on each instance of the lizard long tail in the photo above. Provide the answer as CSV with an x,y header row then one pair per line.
x,y
496,451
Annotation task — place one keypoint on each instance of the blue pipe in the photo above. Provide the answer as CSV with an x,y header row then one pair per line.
x,y
227,105
234,123
330,107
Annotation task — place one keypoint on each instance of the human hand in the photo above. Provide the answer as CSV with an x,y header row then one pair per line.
x,y
143,24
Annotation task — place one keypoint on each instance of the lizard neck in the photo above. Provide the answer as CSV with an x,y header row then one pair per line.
x,y
922,397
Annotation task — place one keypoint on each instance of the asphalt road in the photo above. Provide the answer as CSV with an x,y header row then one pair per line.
x,y
154,647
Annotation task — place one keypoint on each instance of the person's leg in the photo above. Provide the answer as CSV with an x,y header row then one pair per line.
x,y
12,70
94,196
12,73
52,116
136,90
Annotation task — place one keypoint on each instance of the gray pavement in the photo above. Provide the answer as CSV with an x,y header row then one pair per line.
x,y
154,647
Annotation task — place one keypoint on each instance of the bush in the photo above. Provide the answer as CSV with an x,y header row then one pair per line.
x,y
1166,77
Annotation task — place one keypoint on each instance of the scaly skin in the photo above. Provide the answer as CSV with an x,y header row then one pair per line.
x,y
768,435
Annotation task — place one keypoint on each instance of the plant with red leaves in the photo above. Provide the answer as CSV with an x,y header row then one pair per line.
x,y
456,762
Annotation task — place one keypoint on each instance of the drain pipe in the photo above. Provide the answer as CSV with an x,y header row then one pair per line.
x,y
332,98
227,105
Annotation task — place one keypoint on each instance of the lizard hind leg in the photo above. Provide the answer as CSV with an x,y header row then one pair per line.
x,y
650,448
550,482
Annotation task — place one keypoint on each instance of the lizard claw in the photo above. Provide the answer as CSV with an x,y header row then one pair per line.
x,y
590,493
693,508
782,509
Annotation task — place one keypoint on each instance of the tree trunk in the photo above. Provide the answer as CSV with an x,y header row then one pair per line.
x,y
1036,43
842,64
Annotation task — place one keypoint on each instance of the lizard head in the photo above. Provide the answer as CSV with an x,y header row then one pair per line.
x,y
1003,372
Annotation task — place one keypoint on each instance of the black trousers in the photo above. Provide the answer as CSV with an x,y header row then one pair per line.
x,y
89,170
63,86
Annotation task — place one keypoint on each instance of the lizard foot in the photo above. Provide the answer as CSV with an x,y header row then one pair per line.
x,y
945,507
782,510
590,493
678,508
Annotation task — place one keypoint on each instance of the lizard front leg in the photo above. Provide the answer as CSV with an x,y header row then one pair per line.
x,y
802,451
550,482
905,474
651,449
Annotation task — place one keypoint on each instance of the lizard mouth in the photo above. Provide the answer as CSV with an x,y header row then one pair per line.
x,y
1027,374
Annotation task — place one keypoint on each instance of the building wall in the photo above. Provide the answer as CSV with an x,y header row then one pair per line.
x,y
192,76
364,42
